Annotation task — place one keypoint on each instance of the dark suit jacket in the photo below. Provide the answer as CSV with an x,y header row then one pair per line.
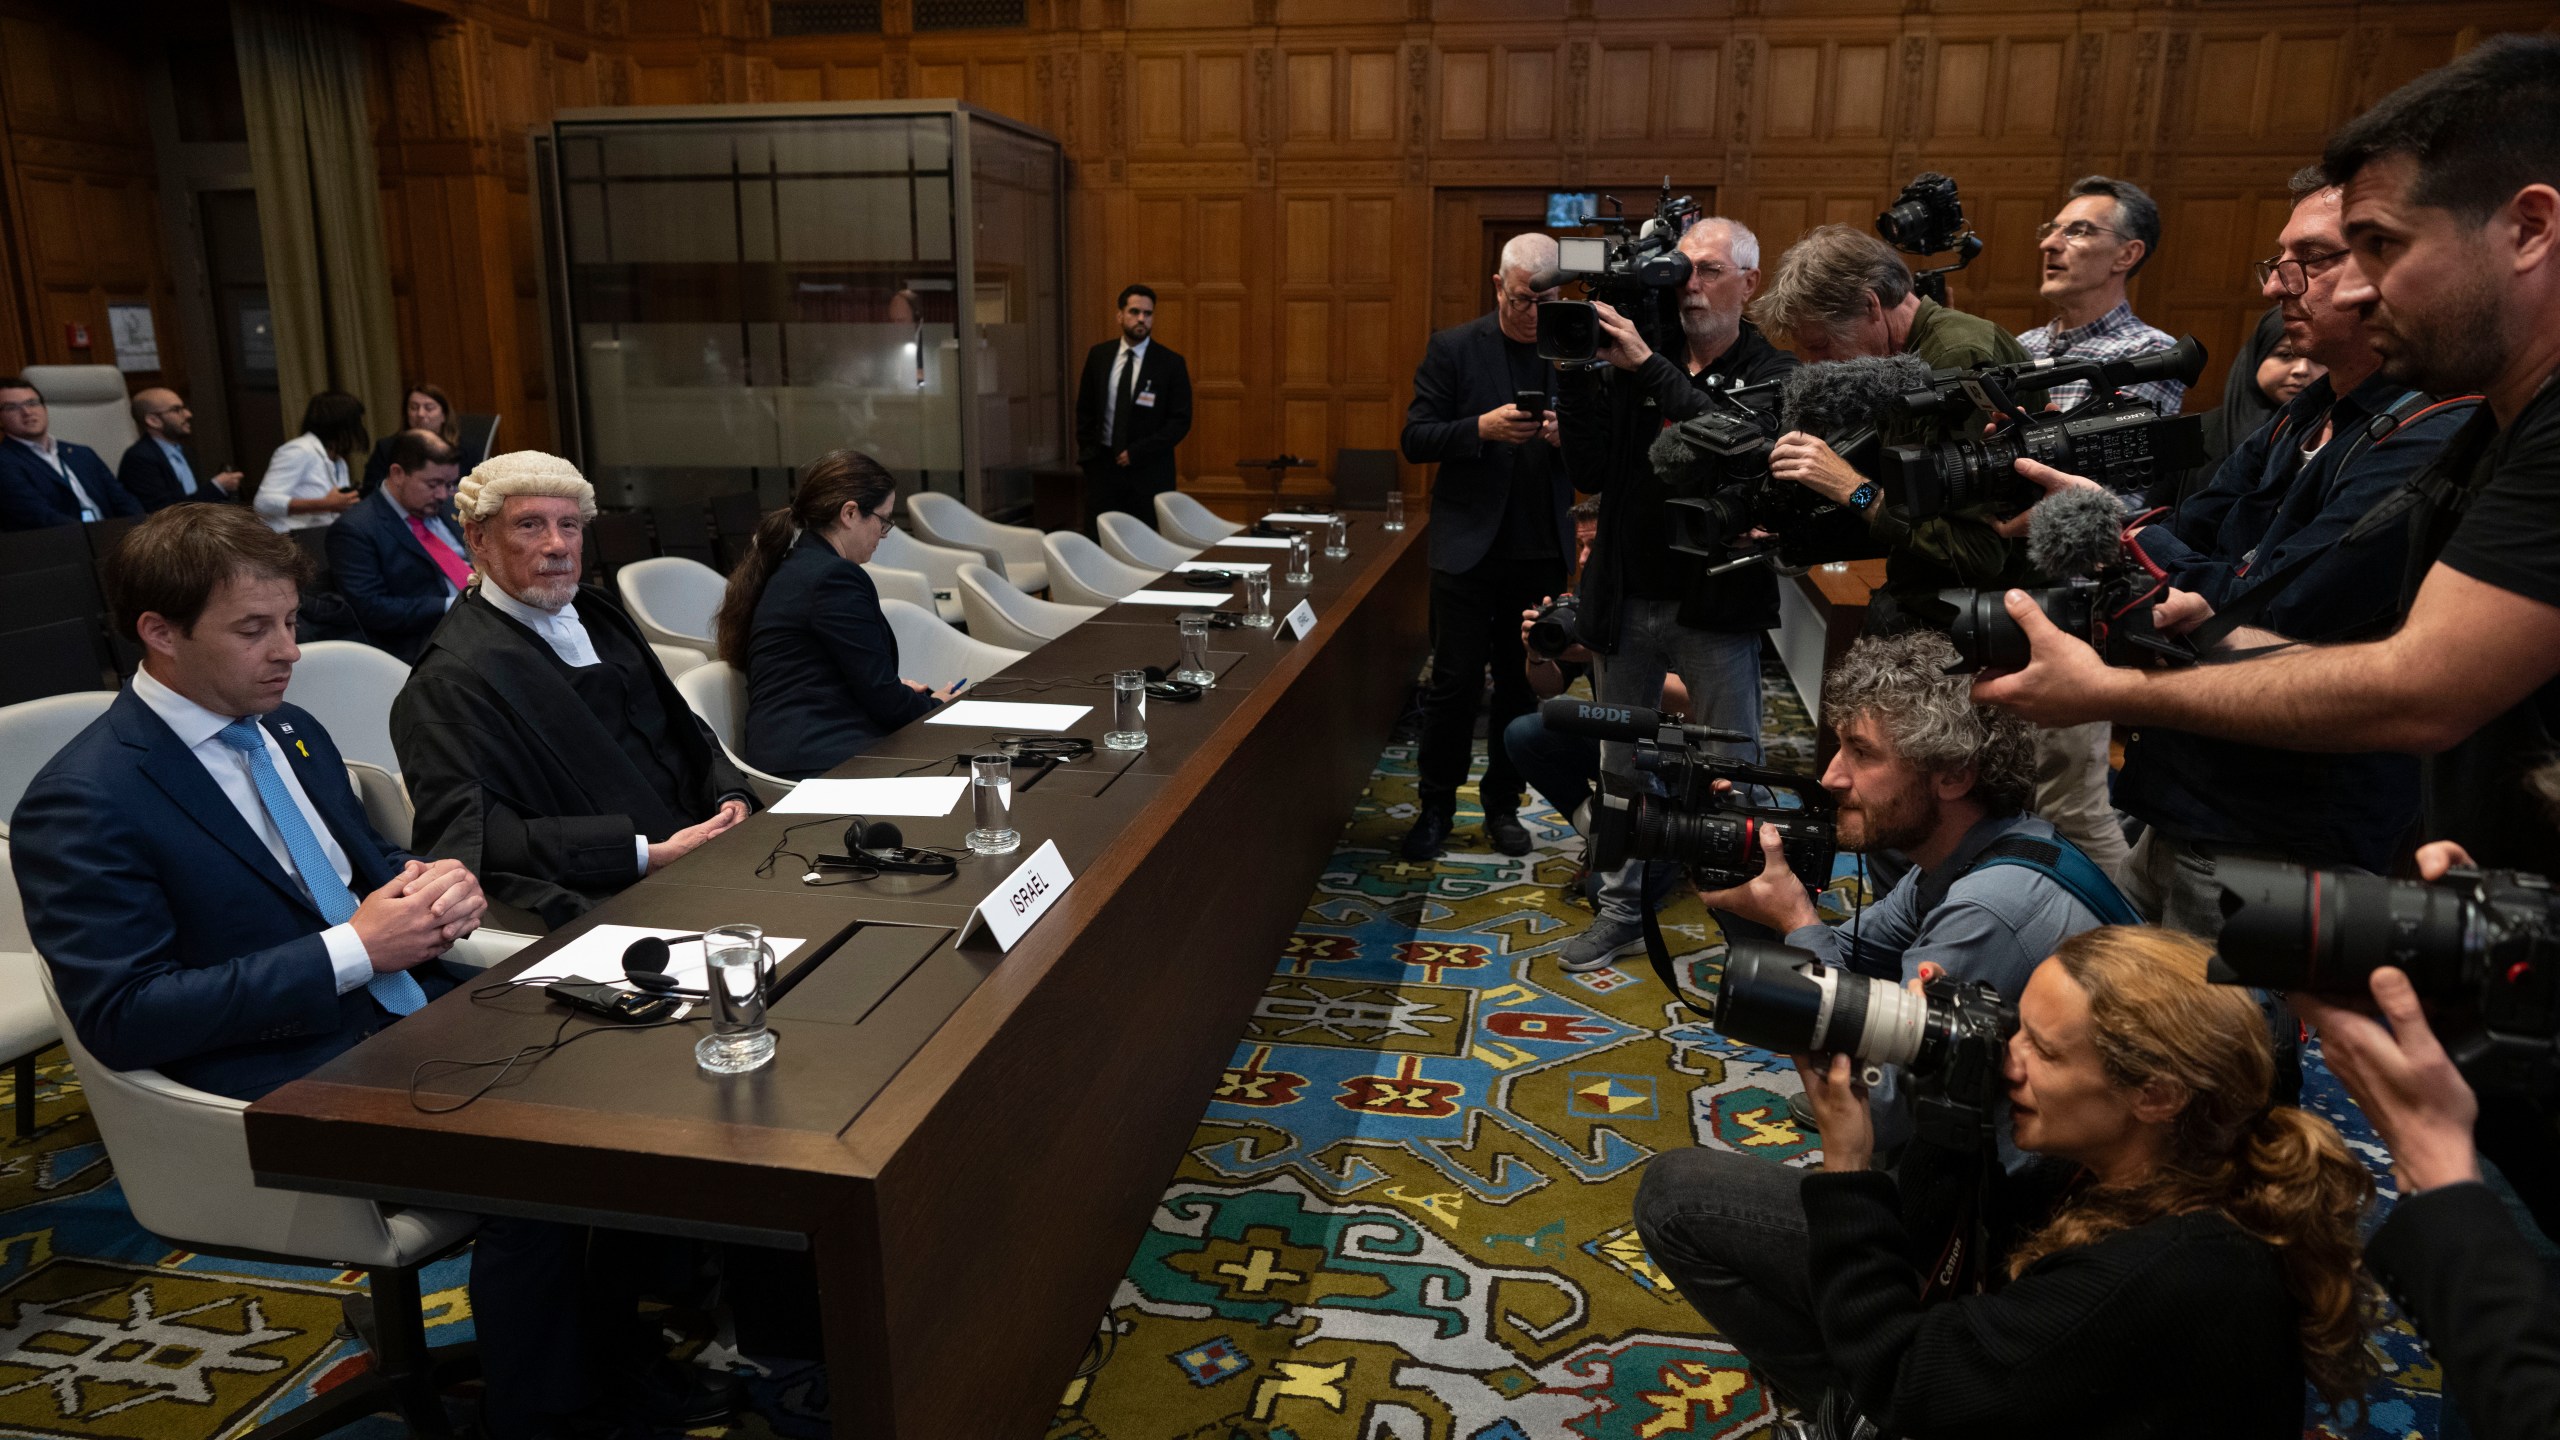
x,y
146,475
1154,427
33,496
822,666
397,592
176,941
515,777
1463,374
2485,1303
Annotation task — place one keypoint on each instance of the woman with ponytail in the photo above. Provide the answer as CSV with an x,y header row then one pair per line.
x,y
2200,1266
802,620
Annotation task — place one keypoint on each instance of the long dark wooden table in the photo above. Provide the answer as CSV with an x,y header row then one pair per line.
x,y
968,1142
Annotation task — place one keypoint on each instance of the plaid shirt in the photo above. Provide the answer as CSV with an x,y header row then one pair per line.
x,y
2111,336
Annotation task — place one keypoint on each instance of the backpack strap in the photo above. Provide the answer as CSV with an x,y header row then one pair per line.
x,y
2065,865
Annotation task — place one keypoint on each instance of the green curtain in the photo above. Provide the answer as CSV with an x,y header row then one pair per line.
x,y
302,74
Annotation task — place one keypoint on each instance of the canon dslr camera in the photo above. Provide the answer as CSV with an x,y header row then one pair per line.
x,y
2485,944
1714,834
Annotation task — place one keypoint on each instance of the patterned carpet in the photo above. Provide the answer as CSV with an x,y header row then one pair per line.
x,y
1404,1215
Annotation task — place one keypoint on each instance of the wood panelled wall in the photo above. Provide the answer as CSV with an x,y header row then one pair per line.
x,y
82,218
1307,182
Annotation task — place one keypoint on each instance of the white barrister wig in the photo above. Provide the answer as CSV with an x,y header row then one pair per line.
x,y
521,472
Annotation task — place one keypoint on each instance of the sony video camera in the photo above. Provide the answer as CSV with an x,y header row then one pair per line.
x,y
1638,269
2107,591
2485,943
1928,219
2111,438
1716,836
1952,1039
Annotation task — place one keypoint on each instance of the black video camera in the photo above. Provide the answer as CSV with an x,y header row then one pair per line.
x,y
1638,269
1952,1039
1715,836
1715,468
1556,628
1925,219
2112,438
2486,943
2106,598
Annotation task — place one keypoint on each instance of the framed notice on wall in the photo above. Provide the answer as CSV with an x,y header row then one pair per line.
x,y
137,344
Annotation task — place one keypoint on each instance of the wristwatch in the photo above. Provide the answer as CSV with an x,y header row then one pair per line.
x,y
1863,496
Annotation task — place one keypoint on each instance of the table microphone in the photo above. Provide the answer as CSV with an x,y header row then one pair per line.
x,y
1622,722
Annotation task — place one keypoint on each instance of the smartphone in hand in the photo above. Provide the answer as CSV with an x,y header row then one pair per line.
x,y
1533,403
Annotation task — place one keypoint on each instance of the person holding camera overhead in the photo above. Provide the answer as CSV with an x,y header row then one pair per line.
x,y
1650,612
2177,1224
1499,538
802,621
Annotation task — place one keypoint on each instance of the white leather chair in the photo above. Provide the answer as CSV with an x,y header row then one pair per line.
x,y
385,800
677,659
908,585
938,564
1005,617
674,600
182,1158
348,687
33,732
938,655
945,521
1080,573
1186,521
1127,539
718,693
26,1021
87,405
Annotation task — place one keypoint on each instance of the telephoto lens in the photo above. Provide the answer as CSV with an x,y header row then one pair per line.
x,y
2287,928
1781,998
1986,637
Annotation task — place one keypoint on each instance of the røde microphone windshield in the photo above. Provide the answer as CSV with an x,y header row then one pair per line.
x,y
2075,532
1621,722
1838,397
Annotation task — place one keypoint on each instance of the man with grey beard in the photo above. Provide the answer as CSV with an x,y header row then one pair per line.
x,y
542,742
1646,611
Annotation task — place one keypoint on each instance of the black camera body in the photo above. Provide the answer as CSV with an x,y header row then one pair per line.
x,y
2122,443
1715,466
1637,269
1715,836
1926,219
1952,1039
1557,628
2483,943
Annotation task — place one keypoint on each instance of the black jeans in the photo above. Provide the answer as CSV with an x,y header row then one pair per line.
x,y
1730,1231
1475,622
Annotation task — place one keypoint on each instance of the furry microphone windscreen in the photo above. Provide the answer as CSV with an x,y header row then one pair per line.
x,y
1839,396
2077,531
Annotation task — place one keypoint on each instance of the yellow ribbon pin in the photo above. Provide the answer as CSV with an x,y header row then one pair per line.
x,y
306,750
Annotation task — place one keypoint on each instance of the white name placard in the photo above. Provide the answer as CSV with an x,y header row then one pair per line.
x,y
1301,619
1022,897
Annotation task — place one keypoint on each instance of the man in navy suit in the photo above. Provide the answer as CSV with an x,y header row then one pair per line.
x,y
1499,539
212,904
157,470
44,481
397,559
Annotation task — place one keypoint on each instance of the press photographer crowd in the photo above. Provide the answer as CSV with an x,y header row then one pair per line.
x,y
2056,1051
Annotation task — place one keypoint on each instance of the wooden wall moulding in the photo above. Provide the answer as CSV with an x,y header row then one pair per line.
x,y
1346,172
1184,174
1446,170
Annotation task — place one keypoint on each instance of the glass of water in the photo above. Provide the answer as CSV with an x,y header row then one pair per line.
x,y
991,806
1302,569
1395,510
1337,538
1128,711
1257,598
1195,651
739,974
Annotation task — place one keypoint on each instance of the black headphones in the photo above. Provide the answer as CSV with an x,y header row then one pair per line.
x,y
644,964
1160,687
1211,579
877,845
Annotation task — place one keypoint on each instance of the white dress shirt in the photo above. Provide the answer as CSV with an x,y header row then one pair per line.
x,y
178,465
303,469
1132,358
567,637
51,455
198,729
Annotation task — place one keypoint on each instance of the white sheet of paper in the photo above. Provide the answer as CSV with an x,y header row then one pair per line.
x,y
1242,565
1291,517
917,795
1187,599
1254,542
1008,715
597,956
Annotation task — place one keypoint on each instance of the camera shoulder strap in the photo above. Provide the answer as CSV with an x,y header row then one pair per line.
x,y
2428,486
1658,951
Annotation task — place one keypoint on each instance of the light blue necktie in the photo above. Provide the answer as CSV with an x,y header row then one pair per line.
x,y
398,991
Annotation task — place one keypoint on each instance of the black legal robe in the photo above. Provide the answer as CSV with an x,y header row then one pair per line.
x,y
513,773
